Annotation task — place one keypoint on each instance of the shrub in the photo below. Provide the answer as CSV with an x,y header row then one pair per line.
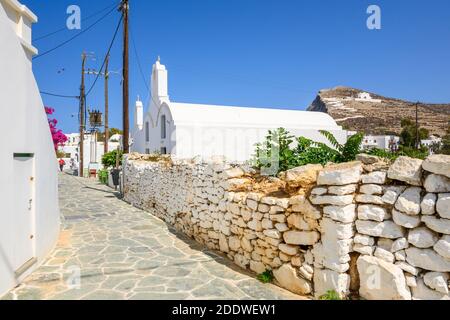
x,y
306,150
422,153
408,134
382,153
266,276
103,176
348,151
330,295
276,141
445,145
109,159
403,151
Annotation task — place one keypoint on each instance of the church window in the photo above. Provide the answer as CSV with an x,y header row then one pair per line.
x,y
147,132
163,150
163,127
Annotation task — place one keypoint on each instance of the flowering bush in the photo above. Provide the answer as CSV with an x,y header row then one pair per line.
x,y
59,138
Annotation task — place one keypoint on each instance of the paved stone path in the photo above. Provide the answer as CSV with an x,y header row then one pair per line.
x,y
120,252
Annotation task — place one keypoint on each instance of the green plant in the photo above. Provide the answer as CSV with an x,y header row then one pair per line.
x,y
266,276
109,159
103,176
383,153
349,150
277,141
306,150
411,152
310,152
330,295
408,134
422,153
445,145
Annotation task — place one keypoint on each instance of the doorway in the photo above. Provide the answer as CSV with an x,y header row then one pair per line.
x,y
23,215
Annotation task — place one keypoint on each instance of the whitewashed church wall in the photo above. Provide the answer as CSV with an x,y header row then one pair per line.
x,y
191,140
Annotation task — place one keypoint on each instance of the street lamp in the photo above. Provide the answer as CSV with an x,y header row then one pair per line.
x,y
95,122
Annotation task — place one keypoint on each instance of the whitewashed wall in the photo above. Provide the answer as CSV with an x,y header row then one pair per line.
x,y
25,122
21,20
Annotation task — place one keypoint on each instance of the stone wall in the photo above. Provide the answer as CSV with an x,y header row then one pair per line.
x,y
363,228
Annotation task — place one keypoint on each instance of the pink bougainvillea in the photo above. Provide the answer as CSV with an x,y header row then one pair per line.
x,y
59,138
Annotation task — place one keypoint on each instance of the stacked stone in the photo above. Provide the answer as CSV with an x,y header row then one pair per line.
x,y
307,236
210,222
300,232
281,237
336,189
401,230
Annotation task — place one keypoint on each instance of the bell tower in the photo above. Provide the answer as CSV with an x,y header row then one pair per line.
x,y
159,82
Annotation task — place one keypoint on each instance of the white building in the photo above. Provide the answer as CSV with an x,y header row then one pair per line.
x,y
93,150
29,212
383,142
366,97
188,130
431,143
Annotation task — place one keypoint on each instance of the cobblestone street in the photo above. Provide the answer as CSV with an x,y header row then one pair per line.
x,y
120,252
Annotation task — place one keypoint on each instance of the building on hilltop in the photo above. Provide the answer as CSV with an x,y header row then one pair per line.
x,y
187,130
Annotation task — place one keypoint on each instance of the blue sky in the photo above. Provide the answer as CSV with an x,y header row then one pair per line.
x,y
263,53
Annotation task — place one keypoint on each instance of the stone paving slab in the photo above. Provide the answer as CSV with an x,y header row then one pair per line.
x,y
111,250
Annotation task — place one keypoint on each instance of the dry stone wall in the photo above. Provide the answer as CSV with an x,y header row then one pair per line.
x,y
362,228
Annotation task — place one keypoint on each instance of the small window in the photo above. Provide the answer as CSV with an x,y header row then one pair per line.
x,y
23,155
163,126
163,150
147,151
147,132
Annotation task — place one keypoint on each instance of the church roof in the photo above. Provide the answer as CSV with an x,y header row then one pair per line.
x,y
230,116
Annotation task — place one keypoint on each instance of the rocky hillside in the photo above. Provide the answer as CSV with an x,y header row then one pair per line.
x,y
358,110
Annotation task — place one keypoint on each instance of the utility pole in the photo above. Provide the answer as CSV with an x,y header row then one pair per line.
x,y
82,116
106,75
125,94
417,126
106,106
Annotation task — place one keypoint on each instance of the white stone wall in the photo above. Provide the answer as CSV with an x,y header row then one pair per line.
x,y
361,228
404,230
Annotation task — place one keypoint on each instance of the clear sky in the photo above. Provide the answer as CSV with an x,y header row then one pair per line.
x,y
258,53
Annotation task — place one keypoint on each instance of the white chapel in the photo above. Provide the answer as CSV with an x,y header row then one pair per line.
x,y
187,130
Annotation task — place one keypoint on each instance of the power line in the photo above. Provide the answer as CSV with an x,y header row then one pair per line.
x,y
139,61
107,54
149,95
65,28
58,95
75,36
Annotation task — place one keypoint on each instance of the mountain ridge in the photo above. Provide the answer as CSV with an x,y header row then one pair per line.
x,y
371,113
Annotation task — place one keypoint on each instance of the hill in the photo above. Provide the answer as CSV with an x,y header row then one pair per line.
x,y
371,113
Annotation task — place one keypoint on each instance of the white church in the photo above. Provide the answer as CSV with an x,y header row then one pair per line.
x,y
187,130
